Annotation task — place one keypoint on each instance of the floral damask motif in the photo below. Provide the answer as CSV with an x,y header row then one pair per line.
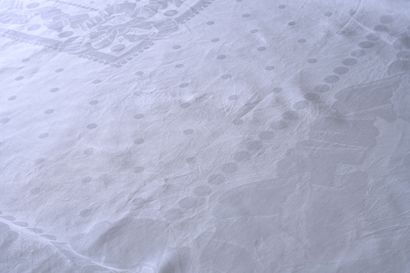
x,y
402,62
109,35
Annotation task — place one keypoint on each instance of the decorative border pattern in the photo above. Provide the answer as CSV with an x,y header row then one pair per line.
x,y
112,35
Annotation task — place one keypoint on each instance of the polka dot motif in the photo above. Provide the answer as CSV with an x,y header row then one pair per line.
x,y
266,135
349,61
188,132
242,156
331,79
139,141
138,116
340,70
216,179
139,169
91,126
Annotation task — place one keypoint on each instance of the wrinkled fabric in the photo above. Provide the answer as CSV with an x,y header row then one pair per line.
x,y
205,136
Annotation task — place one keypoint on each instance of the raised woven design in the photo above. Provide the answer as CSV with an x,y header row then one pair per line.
x,y
108,33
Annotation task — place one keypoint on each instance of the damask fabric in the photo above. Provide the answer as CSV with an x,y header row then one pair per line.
x,y
205,136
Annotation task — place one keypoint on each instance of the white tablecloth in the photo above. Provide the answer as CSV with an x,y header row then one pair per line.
x,y
205,136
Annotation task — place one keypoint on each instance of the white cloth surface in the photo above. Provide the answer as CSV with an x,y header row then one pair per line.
x,y
205,136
